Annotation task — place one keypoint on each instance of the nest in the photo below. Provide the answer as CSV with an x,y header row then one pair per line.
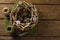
x,y
23,16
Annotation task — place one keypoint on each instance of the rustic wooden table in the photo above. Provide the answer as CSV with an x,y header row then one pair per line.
x,y
48,27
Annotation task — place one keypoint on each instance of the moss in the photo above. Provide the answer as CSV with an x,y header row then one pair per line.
x,y
32,31
7,21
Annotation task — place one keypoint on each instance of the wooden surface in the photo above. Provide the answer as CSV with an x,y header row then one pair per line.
x,y
48,27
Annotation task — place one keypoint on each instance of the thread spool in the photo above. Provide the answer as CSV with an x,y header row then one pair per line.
x,y
5,10
10,29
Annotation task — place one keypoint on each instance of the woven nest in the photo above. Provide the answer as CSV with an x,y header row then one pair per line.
x,y
24,16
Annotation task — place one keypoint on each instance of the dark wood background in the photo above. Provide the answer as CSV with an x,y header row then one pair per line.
x,y
48,27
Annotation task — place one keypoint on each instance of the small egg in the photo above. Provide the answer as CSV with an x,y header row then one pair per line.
x,y
20,2
17,22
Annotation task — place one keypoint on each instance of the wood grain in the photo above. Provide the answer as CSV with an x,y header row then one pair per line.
x,y
40,38
45,1
48,27
6,38
44,28
33,1
8,1
48,11
45,11
31,38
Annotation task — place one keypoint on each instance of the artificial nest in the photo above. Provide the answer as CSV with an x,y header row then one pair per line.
x,y
23,16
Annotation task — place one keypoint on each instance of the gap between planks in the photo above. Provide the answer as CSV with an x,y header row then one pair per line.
x,y
32,3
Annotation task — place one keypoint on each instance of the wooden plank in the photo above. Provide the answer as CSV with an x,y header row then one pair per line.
x,y
34,1
44,28
30,38
45,1
45,11
4,1
48,28
42,38
6,38
48,11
